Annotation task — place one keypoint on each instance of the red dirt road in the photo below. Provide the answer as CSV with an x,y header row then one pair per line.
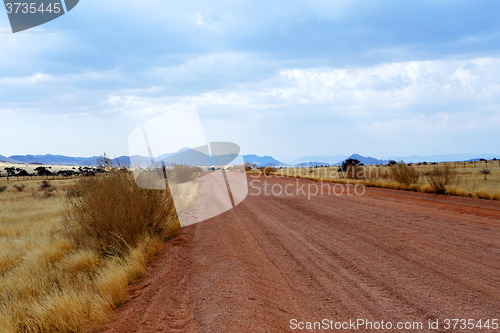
x,y
386,255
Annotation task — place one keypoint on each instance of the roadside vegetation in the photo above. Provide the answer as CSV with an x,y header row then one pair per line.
x,y
70,248
480,179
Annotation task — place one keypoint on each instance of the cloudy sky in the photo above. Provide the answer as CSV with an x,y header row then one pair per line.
x,y
280,78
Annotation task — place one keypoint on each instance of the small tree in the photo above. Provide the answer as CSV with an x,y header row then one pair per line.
x,y
347,164
43,171
485,172
351,168
45,185
10,171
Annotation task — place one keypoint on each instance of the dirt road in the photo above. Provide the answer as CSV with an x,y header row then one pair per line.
x,y
386,255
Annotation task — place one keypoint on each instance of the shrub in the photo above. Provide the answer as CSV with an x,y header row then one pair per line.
x,y
3,188
268,170
404,174
113,214
45,184
440,177
181,173
19,187
485,172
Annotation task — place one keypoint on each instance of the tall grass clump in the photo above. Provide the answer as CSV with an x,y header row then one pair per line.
x,y
440,177
404,174
111,214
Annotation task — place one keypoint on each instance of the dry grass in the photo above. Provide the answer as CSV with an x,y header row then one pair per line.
x,y
49,283
180,173
112,213
465,179
184,195
482,194
441,177
404,174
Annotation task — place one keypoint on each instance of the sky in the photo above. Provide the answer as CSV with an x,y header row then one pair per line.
x,y
279,78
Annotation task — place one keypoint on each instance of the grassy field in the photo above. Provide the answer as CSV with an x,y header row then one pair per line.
x,y
467,181
49,282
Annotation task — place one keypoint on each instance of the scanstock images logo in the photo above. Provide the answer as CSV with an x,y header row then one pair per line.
x,y
26,15
205,178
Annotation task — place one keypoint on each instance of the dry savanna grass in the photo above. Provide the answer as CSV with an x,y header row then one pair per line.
x,y
462,179
51,278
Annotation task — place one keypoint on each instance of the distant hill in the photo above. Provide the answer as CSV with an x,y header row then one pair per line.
x,y
444,158
312,164
262,160
52,159
319,159
7,159
365,160
193,157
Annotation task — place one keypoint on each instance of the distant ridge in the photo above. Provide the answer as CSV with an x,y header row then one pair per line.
x,y
262,160
193,157
318,159
53,159
444,158
7,159
366,160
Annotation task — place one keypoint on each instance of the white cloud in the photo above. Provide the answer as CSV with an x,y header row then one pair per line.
x,y
390,88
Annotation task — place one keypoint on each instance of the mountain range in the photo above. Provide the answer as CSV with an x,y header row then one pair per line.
x,y
194,157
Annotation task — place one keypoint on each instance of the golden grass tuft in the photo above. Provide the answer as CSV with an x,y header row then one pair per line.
x,y
482,194
82,261
415,188
457,192
395,186
451,191
70,311
428,189
495,195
